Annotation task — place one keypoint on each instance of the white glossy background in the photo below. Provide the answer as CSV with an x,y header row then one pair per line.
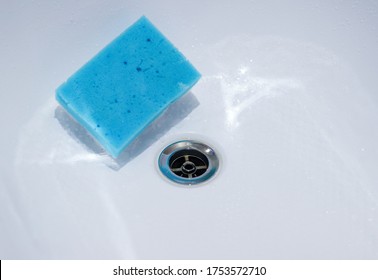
x,y
288,96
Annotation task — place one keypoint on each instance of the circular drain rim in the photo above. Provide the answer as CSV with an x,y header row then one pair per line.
x,y
174,157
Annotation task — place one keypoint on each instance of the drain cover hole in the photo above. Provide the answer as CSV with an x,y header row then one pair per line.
x,y
188,167
188,163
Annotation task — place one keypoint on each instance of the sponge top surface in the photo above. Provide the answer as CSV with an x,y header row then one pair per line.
x,y
127,85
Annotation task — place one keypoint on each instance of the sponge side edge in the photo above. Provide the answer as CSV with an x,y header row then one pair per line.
x,y
76,117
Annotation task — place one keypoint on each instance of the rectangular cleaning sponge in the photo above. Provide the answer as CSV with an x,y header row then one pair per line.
x,y
127,85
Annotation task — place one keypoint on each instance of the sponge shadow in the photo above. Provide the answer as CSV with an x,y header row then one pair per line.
x,y
174,114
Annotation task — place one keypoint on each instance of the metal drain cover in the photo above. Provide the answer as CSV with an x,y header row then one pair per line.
x,y
188,162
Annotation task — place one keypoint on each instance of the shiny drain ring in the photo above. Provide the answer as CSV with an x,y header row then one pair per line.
x,y
188,162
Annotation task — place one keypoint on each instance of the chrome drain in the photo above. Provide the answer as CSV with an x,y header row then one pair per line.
x,y
188,162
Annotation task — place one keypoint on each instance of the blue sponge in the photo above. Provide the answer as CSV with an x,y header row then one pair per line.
x,y
127,85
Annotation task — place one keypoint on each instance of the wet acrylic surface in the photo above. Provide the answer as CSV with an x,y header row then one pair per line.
x,y
293,116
